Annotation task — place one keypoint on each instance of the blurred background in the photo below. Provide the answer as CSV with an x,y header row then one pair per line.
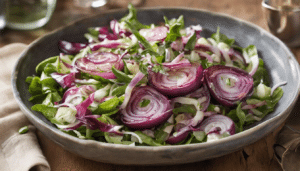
x,y
68,11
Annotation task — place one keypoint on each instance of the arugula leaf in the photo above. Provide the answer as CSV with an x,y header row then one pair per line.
x,y
41,66
158,68
219,37
238,116
121,76
48,111
142,40
190,45
35,86
160,135
126,70
106,119
250,50
132,18
93,31
37,98
241,115
49,85
113,138
29,79
51,98
50,68
261,75
143,68
175,25
96,77
199,135
108,106
119,91
147,140
205,64
185,109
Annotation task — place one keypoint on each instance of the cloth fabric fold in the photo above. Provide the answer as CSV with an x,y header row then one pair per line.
x,y
20,152
287,146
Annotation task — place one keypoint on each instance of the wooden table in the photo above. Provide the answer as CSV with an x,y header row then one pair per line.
x,y
258,156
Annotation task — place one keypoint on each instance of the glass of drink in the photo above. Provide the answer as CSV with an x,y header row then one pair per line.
x,y
28,14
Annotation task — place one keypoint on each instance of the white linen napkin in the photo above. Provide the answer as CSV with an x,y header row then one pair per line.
x,y
18,152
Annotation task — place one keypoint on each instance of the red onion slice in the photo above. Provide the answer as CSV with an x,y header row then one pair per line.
x,y
118,30
157,111
276,86
206,56
154,34
184,126
100,63
228,85
76,93
138,77
181,79
253,66
218,124
70,47
180,136
177,45
64,80
203,97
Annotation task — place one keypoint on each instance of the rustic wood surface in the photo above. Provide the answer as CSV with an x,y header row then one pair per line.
x,y
255,157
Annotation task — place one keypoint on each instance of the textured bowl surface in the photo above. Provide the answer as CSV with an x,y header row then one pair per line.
x,y
278,59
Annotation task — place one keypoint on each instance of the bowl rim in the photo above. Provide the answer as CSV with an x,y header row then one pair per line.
x,y
234,137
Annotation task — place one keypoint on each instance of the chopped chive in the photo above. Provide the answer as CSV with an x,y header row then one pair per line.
x,y
23,130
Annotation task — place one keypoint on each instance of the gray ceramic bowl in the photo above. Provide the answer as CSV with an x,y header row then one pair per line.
x,y
278,59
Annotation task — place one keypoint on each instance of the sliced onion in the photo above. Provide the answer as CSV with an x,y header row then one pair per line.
x,y
180,79
64,80
105,34
118,30
142,117
71,47
218,124
138,77
253,66
237,56
210,48
194,29
190,32
253,106
183,127
100,63
177,45
76,93
179,136
154,34
206,56
85,117
203,97
112,44
228,85
276,86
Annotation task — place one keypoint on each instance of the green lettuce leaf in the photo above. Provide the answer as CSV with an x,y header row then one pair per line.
x,y
175,25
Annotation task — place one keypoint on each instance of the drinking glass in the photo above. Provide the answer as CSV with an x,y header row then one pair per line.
x,y
2,14
28,14
283,19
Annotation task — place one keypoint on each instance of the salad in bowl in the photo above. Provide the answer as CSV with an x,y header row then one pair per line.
x,y
153,85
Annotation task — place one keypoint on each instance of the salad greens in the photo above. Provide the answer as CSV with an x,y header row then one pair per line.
x,y
137,84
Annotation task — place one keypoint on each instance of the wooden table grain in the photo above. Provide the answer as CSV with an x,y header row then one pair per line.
x,y
255,157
